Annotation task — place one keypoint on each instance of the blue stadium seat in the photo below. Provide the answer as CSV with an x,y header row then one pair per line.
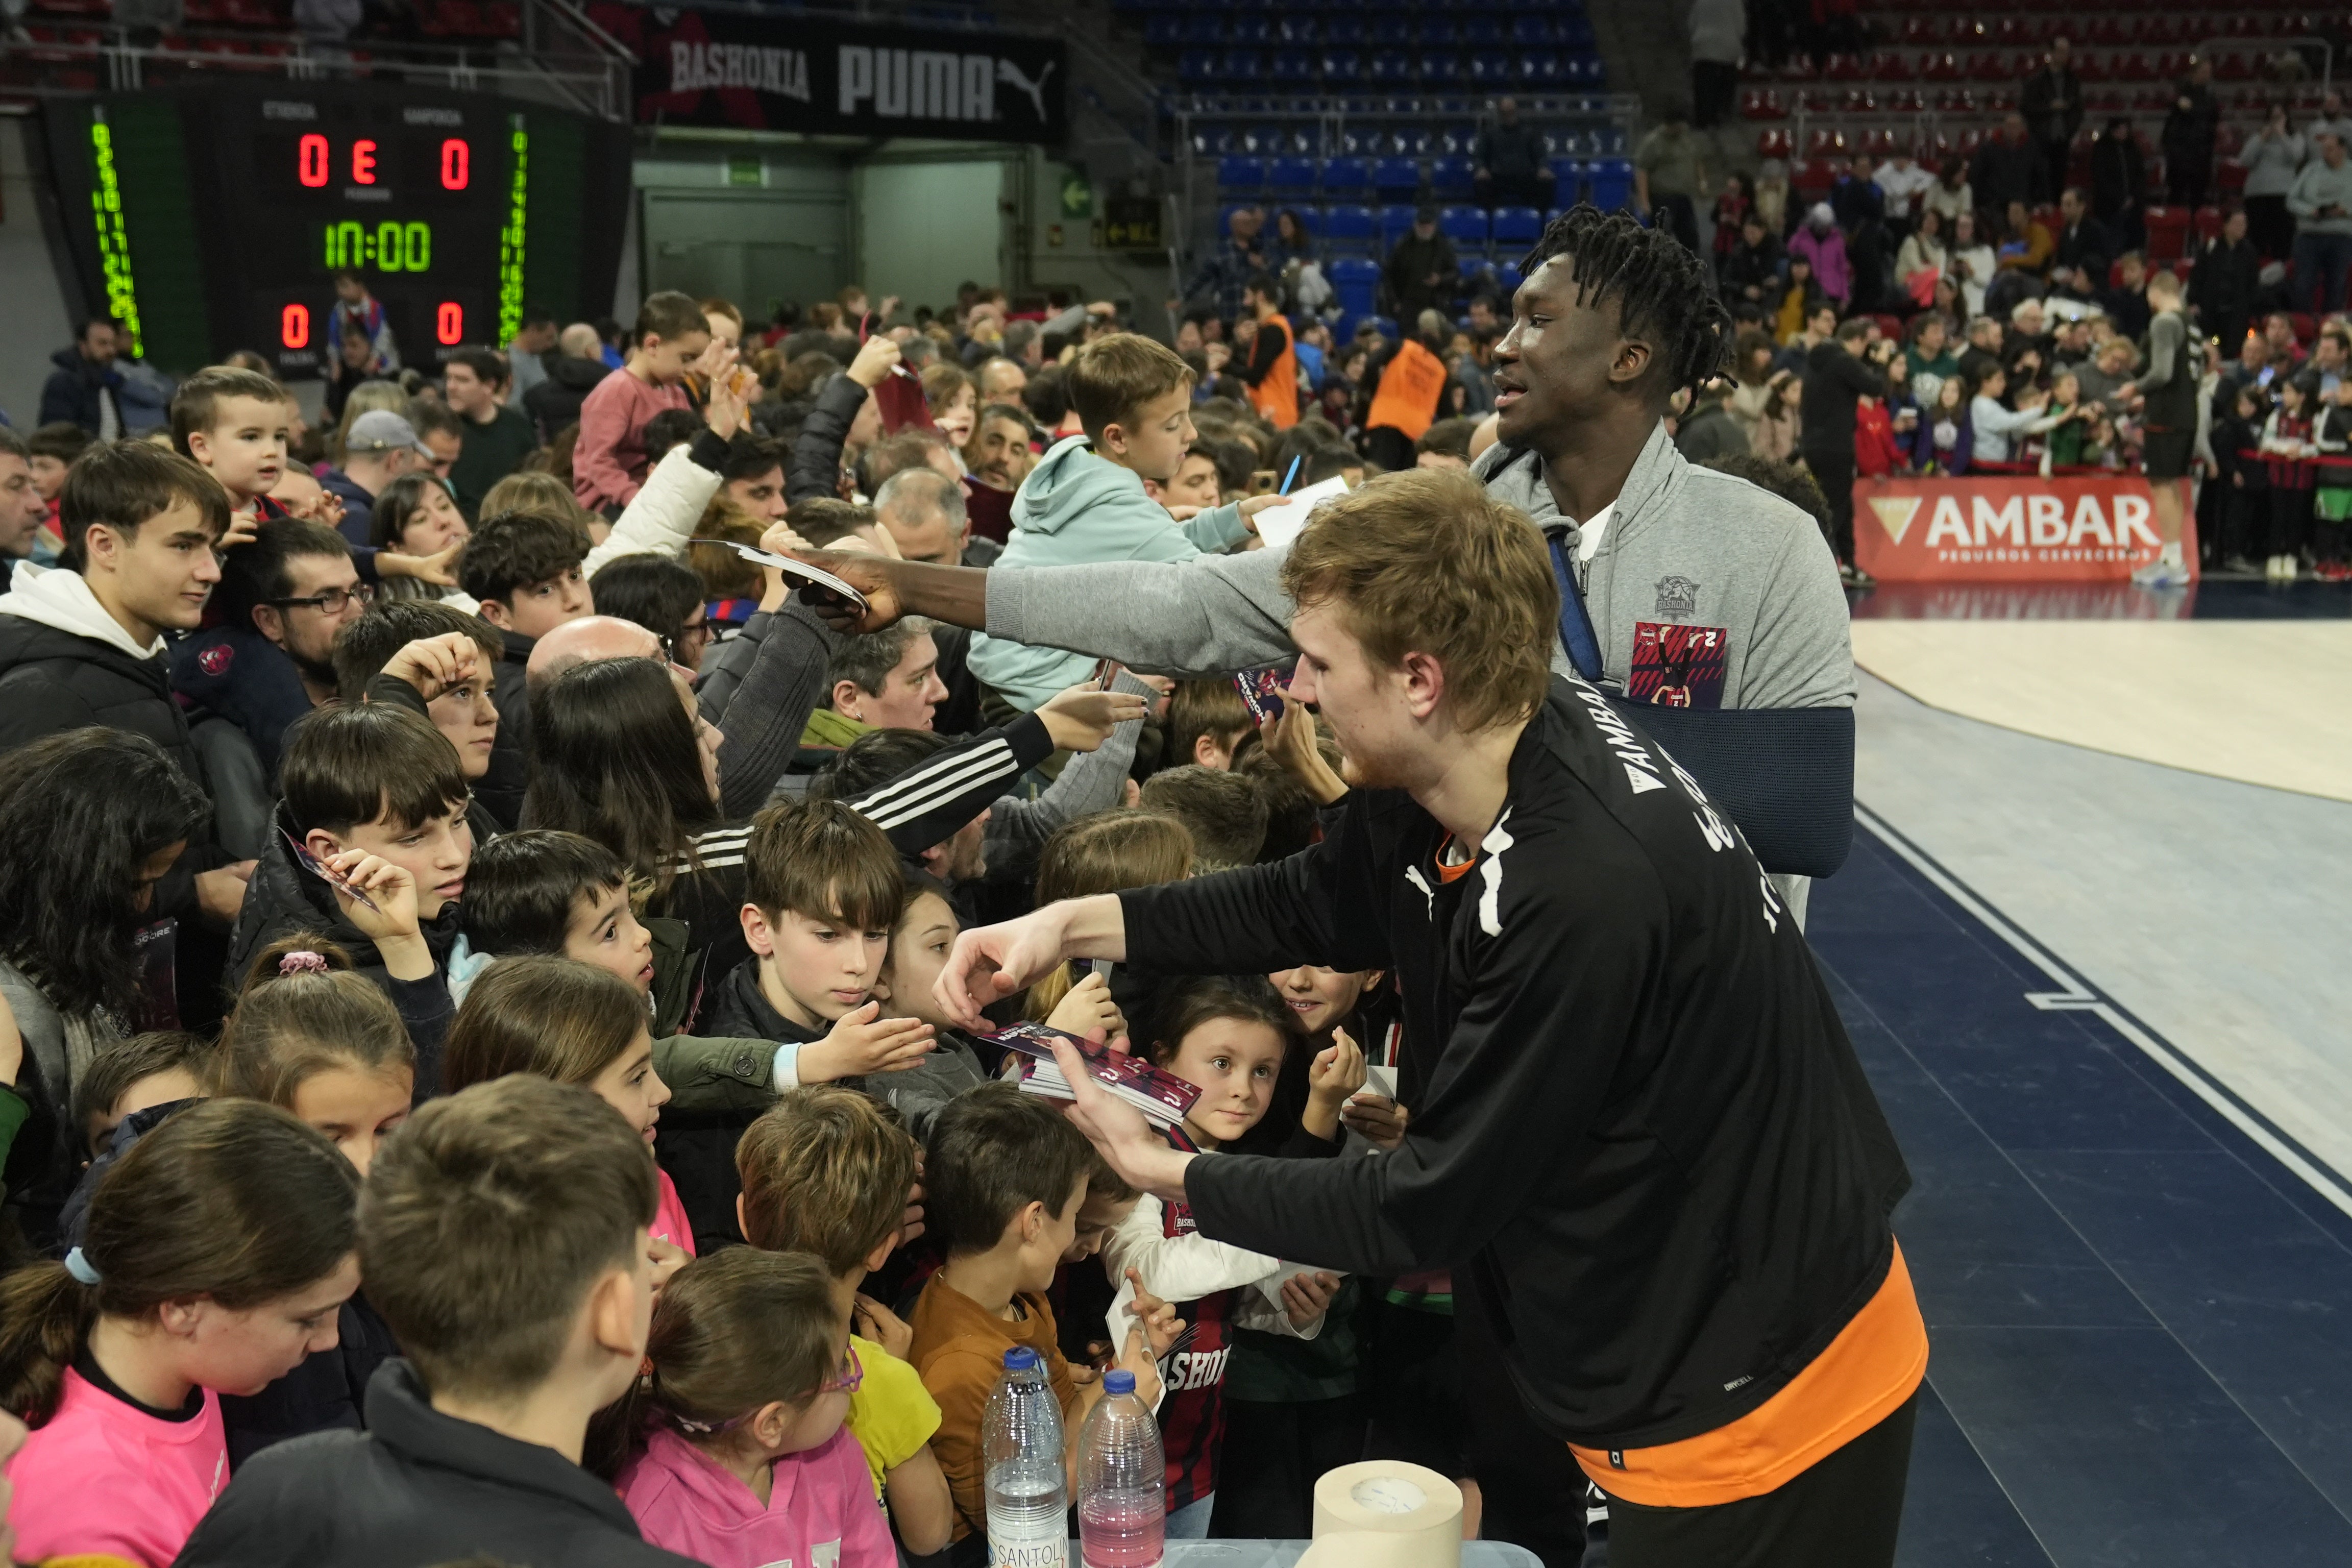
x,y
1516,228
1361,141
1242,66
1264,138
1451,178
1416,141
1466,227
1295,30
1350,230
1345,176
1492,67
1293,68
1388,32
1612,182
1343,32
1396,222
1357,280
1507,279
1342,67
1240,174
1249,30
1390,67
1457,140
1195,67
1533,29
1290,176
1566,181
1443,69
1436,33
1204,27
1163,30
1483,32
1396,175
1610,140
1542,68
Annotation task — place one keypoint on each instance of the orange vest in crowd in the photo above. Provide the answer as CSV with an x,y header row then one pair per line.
x,y
1276,396
1410,384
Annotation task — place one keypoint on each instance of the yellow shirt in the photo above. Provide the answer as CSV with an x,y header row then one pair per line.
x,y
892,1414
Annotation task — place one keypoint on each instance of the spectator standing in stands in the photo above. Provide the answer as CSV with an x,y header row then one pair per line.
x,y
1821,245
2190,127
498,435
2119,183
572,372
2221,283
1751,268
82,391
1511,170
2053,109
1718,31
526,353
1901,182
2009,168
2333,119
1837,378
355,307
2271,158
1226,271
1422,273
1272,372
1669,174
1951,194
2321,201
608,466
1855,198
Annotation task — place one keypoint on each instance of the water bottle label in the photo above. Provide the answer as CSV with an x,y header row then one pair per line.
x,y
1029,1549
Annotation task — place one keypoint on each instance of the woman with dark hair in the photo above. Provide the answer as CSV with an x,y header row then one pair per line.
x,y
662,596
1292,242
418,515
91,820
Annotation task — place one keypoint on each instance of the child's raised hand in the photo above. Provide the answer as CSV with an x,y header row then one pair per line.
x,y
1089,1006
1306,1296
392,889
861,1044
883,1326
1378,1120
1336,1072
1155,1319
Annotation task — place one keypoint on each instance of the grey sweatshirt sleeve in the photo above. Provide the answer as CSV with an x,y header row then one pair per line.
x,y
1206,616
769,709
2166,338
1094,781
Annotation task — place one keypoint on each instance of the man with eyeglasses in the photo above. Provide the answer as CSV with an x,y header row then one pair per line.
x,y
268,659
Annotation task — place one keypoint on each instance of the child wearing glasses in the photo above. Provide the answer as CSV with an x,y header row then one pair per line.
x,y
738,1454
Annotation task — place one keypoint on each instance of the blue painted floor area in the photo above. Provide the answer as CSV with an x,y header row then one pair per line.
x,y
2140,1322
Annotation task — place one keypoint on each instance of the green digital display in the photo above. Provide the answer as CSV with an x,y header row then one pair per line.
x,y
387,247
113,243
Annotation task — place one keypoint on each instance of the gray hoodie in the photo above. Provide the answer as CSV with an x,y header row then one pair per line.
x,y
1685,547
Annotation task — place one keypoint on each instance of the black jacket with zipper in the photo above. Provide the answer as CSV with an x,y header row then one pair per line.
x,y
1643,1137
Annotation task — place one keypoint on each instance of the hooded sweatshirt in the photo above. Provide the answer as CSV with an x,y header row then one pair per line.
x,y
1077,507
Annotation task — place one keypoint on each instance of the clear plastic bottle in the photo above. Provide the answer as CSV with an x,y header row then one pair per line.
x,y
1021,1447
1122,1480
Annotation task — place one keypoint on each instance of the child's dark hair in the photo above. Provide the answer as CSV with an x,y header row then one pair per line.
x,y
822,860
1222,810
653,591
668,314
345,764
732,1332
123,484
521,889
1184,1005
487,1221
231,1200
614,757
993,1152
516,549
551,1017
825,1170
364,647
1662,291
1212,706
119,1064
196,406
1107,852
302,1010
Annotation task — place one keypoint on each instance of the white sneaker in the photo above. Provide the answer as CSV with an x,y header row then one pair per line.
x,y
2162,573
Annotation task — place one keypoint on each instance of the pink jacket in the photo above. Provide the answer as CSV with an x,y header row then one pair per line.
x,y
608,464
1825,251
823,1499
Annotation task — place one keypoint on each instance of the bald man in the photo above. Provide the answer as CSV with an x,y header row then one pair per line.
x,y
924,511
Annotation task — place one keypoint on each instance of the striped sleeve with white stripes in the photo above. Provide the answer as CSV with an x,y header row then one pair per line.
x,y
926,805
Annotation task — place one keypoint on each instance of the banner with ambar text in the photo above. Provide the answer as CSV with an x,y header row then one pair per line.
x,y
2008,528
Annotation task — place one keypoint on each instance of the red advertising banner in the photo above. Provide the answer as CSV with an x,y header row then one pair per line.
x,y
2006,527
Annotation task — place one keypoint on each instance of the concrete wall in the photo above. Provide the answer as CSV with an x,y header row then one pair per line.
x,y
35,323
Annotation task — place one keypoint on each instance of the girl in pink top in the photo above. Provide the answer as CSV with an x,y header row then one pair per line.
x,y
736,1454
218,1252
558,1018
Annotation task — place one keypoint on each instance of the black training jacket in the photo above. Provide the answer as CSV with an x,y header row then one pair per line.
x,y
1643,1131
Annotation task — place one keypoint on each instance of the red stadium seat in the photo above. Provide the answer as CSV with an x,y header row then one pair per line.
x,y
1773,143
2168,233
2209,222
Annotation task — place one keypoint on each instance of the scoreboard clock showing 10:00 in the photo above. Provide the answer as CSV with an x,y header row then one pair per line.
x,y
219,214
425,204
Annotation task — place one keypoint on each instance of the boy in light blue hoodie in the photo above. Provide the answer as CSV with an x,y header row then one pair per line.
x,y
1085,501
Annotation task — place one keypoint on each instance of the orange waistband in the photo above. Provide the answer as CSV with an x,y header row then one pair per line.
x,y
1861,1378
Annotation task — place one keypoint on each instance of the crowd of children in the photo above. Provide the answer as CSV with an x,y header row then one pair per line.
x,y
471,1082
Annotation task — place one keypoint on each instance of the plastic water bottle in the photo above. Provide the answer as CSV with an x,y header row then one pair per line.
x,y
1122,1480
1021,1444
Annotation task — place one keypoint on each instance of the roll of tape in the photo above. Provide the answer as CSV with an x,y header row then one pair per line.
x,y
1415,1513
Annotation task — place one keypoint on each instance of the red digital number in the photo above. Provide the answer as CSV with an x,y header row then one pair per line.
x,y
310,160
363,162
294,326
457,164
449,322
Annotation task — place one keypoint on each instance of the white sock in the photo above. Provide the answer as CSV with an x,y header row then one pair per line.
x,y
2172,554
